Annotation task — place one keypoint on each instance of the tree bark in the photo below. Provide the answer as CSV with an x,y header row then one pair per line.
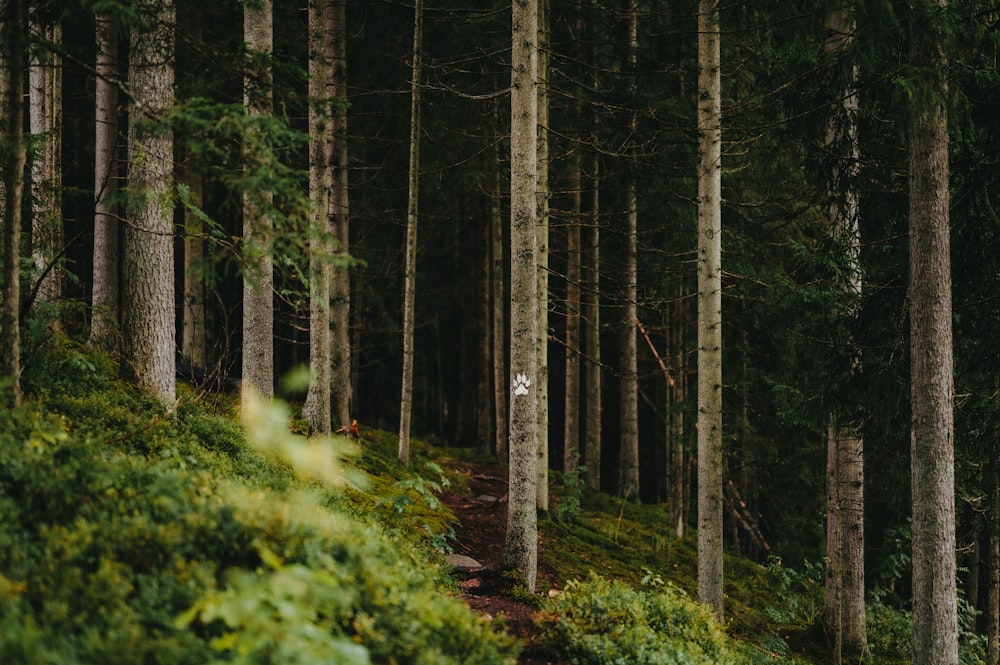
x,y
993,567
844,608
104,301
500,395
149,314
628,476
484,383
258,280
317,405
710,453
340,285
410,262
45,118
592,336
571,410
935,622
14,30
542,340
677,479
520,551
193,335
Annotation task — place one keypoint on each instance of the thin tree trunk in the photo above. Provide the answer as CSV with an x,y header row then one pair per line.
x,y
628,485
410,263
104,321
317,405
935,621
844,610
499,320
592,336
45,116
193,337
149,313
340,310
676,467
258,280
484,382
993,588
542,341
15,29
520,552
710,454
571,427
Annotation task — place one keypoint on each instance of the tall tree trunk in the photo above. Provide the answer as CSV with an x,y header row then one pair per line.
x,y
484,381
410,267
676,466
571,427
193,334
542,341
844,610
15,31
45,118
258,280
993,567
317,405
499,320
628,484
104,316
149,313
340,285
520,550
592,335
710,454
935,622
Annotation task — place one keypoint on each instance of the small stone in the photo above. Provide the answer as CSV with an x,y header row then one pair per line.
x,y
488,499
463,564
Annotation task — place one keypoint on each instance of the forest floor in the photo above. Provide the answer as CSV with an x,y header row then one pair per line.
x,y
482,523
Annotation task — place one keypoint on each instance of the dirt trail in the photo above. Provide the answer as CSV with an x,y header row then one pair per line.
x,y
482,516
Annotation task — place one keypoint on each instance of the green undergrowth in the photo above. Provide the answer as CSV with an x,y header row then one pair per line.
x,y
131,535
618,572
635,552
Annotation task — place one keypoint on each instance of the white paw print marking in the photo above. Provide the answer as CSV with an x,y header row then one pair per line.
x,y
521,383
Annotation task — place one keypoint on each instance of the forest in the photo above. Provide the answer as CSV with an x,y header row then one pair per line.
x,y
735,260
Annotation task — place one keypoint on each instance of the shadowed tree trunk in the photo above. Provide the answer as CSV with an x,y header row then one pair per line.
x,y
45,120
710,462
844,611
935,620
542,343
628,477
14,29
993,571
500,395
104,321
484,382
340,285
193,335
592,335
410,266
571,410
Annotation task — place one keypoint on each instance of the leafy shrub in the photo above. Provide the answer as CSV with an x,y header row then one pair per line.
x,y
800,593
127,536
602,622
889,634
